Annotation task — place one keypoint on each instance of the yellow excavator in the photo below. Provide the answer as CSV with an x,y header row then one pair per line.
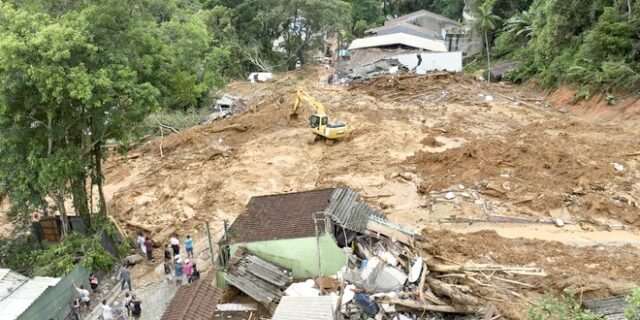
x,y
319,121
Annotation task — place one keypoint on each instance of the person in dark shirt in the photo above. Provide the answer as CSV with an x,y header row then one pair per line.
x,y
195,274
75,309
148,244
134,306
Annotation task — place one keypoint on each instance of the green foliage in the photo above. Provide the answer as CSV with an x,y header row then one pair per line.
x,y
593,43
565,308
19,254
632,312
59,259
96,258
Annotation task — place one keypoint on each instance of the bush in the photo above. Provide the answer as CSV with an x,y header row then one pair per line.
x,y
633,309
19,254
565,308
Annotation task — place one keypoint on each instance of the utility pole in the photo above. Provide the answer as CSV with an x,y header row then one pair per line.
x,y
206,226
315,225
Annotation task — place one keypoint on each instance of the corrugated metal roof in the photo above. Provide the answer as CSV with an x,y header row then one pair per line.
x,y
9,281
308,308
345,209
609,308
399,39
18,292
261,280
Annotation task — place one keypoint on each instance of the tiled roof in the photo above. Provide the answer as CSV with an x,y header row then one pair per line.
x,y
280,216
195,301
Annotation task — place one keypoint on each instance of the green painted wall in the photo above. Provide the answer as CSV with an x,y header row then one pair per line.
x,y
300,255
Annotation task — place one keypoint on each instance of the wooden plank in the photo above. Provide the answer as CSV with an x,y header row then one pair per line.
x,y
375,227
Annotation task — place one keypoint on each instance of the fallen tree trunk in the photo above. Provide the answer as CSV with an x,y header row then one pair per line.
x,y
527,271
455,293
429,307
235,127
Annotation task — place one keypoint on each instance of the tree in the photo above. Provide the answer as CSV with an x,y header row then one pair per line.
x,y
485,23
84,77
520,25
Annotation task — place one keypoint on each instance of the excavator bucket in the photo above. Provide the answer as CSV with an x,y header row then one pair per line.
x,y
293,116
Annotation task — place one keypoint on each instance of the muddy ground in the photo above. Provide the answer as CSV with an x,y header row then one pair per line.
x,y
440,151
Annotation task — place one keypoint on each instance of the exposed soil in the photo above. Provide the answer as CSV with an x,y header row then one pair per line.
x,y
587,273
428,150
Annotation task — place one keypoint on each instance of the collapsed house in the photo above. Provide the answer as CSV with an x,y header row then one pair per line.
x,y
325,254
419,42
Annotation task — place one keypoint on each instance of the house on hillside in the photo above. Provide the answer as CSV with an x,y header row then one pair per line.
x,y
428,25
427,41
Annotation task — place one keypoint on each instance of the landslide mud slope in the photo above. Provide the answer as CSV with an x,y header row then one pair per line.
x,y
415,138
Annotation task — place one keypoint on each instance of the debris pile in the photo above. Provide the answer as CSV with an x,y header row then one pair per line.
x,y
387,272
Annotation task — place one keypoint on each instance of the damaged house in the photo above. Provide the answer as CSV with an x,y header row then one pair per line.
x,y
285,237
419,42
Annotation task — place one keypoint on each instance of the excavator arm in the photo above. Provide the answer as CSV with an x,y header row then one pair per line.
x,y
317,106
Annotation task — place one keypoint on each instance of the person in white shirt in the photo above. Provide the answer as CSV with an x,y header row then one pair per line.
x,y
84,295
175,245
106,311
141,240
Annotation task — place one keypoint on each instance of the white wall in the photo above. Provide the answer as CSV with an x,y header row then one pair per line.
x,y
436,61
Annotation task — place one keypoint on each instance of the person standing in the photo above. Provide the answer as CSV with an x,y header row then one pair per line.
x,y
125,303
167,253
179,269
75,309
134,304
187,268
148,244
175,245
84,295
141,240
167,270
93,282
195,275
106,311
125,277
188,246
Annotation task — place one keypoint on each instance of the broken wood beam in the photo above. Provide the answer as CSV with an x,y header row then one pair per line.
x,y
526,271
376,227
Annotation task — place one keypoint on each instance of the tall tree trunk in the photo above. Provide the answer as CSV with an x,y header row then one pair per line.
x,y
98,174
59,200
486,45
80,199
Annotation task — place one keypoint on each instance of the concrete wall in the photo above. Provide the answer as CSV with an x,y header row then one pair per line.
x,y
299,255
441,61
53,303
434,24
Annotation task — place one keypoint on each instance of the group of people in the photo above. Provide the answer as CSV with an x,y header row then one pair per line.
x,y
130,307
176,269
181,270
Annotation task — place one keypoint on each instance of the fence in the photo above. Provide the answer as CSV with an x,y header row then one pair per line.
x,y
53,303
